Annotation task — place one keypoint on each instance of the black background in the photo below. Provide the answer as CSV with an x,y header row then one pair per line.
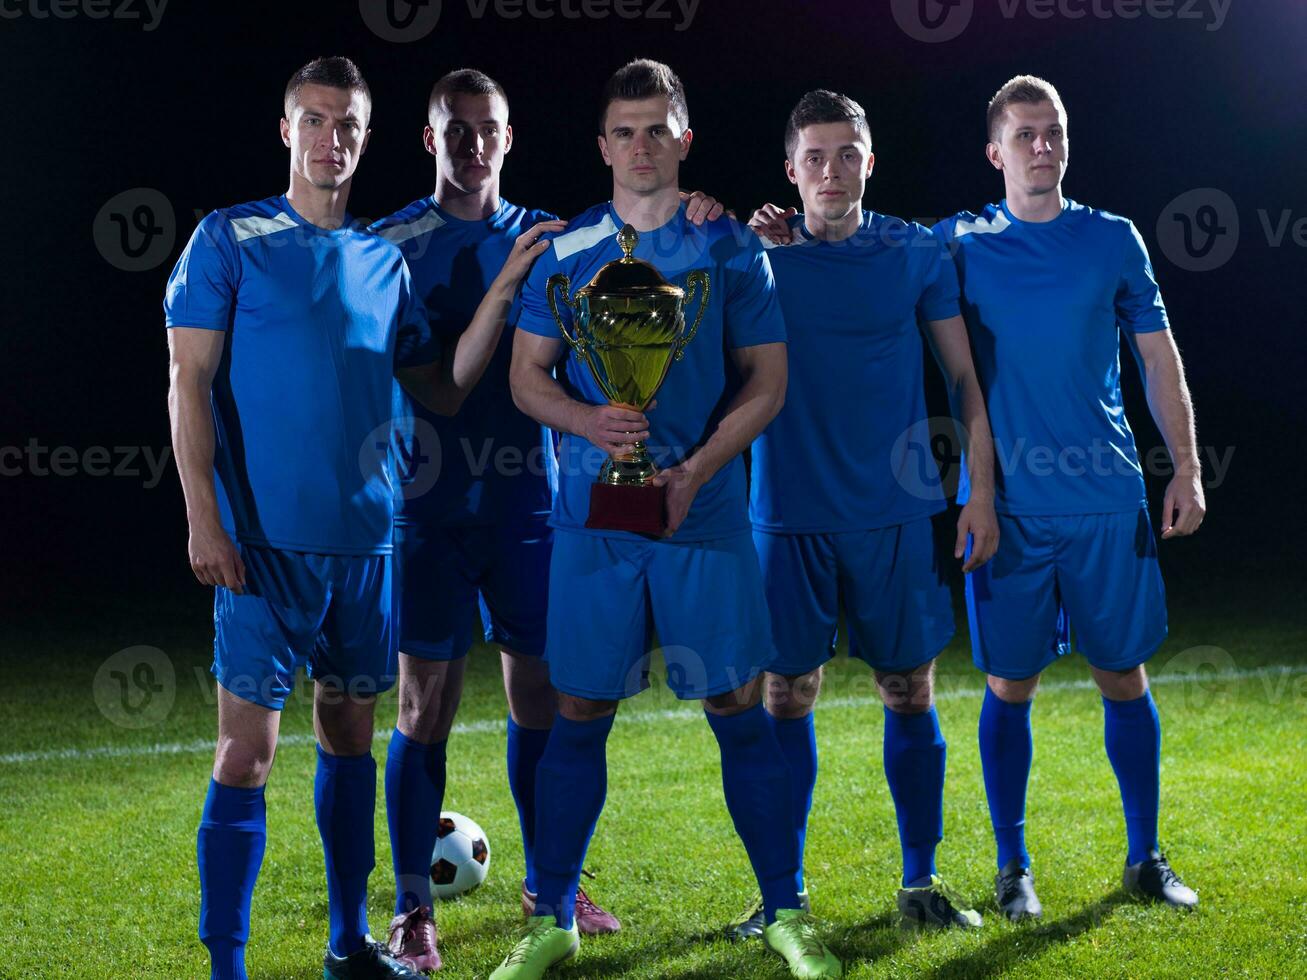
x,y
1157,107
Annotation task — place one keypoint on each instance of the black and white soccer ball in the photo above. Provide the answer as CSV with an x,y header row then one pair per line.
x,y
461,857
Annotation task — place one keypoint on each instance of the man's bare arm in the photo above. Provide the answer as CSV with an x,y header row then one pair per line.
x,y
1184,505
952,349
764,370
194,355
443,385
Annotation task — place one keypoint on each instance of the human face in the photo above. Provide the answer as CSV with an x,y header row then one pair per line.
x,y
469,136
831,164
1032,147
327,132
644,144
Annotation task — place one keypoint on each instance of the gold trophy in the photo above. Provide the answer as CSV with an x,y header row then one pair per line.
x,y
629,326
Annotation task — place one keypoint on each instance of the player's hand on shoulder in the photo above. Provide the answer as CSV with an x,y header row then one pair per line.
x,y
701,207
530,245
614,428
980,522
773,224
215,559
682,482
1184,506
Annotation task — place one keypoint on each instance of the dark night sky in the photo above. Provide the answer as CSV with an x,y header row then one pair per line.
x,y
1158,107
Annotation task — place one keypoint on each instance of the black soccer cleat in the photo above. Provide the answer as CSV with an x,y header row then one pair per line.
x,y
1153,878
372,962
1014,887
935,906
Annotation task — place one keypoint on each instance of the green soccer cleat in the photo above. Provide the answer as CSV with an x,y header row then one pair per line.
x,y
752,921
794,936
936,906
542,945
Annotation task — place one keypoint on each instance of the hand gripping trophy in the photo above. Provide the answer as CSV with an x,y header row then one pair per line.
x,y
628,328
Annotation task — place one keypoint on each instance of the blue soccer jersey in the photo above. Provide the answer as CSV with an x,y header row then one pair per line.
x,y
489,462
316,322
845,453
1045,303
742,311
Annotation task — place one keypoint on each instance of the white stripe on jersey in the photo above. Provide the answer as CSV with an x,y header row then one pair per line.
x,y
982,227
411,229
571,242
256,226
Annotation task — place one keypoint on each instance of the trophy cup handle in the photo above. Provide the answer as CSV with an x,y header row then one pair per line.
x,y
695,279
561,283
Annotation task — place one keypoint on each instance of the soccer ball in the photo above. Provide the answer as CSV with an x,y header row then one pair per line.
x,y
461,858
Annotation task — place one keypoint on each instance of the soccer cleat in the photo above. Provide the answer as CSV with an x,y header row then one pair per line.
x,y
936,906
1153,878
372,962
794,936
591,920
1014,887
542,945
752,921
413,940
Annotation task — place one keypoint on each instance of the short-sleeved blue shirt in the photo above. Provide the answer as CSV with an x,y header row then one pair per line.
x,y
489,463
843,453
742,311
316,323
1045,303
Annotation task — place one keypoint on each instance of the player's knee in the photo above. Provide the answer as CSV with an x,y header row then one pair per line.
x,y
532,700
908,693
241,762
1122,685
792,697
737,701
1013,691
584,709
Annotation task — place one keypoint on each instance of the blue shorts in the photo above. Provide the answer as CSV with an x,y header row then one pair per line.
x,y
1092,574
334,612
608,595
889,580
453,579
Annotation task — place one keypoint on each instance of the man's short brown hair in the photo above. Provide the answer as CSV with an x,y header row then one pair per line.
x,y
463,81
1024,89
334,72
823,106
641,79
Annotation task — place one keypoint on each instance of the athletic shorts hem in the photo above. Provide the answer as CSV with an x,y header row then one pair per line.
x,y
223,677
783,668
1016,675
934,651
437,652
535,650
590,695
1146,654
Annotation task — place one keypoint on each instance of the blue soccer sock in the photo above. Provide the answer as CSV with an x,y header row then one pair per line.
x,y
415,793
571,784
757,784
1006,748
525,747
1132,733
798,740
344,798
915,755
229,847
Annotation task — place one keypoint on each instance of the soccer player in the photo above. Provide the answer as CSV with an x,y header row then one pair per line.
x,y
471,508
1048,288
287,324
700,586
841,509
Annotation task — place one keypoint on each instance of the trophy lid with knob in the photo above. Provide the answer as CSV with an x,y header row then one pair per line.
x,y
629,276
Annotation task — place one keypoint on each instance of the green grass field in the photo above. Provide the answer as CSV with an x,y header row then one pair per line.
x,y
98,873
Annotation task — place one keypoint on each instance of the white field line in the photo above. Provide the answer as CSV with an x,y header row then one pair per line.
x,y
631,717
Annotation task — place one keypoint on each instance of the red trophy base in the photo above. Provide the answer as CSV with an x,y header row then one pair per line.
x,y
639,509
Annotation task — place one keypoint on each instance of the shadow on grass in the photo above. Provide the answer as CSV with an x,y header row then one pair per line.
x,y
1014,943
